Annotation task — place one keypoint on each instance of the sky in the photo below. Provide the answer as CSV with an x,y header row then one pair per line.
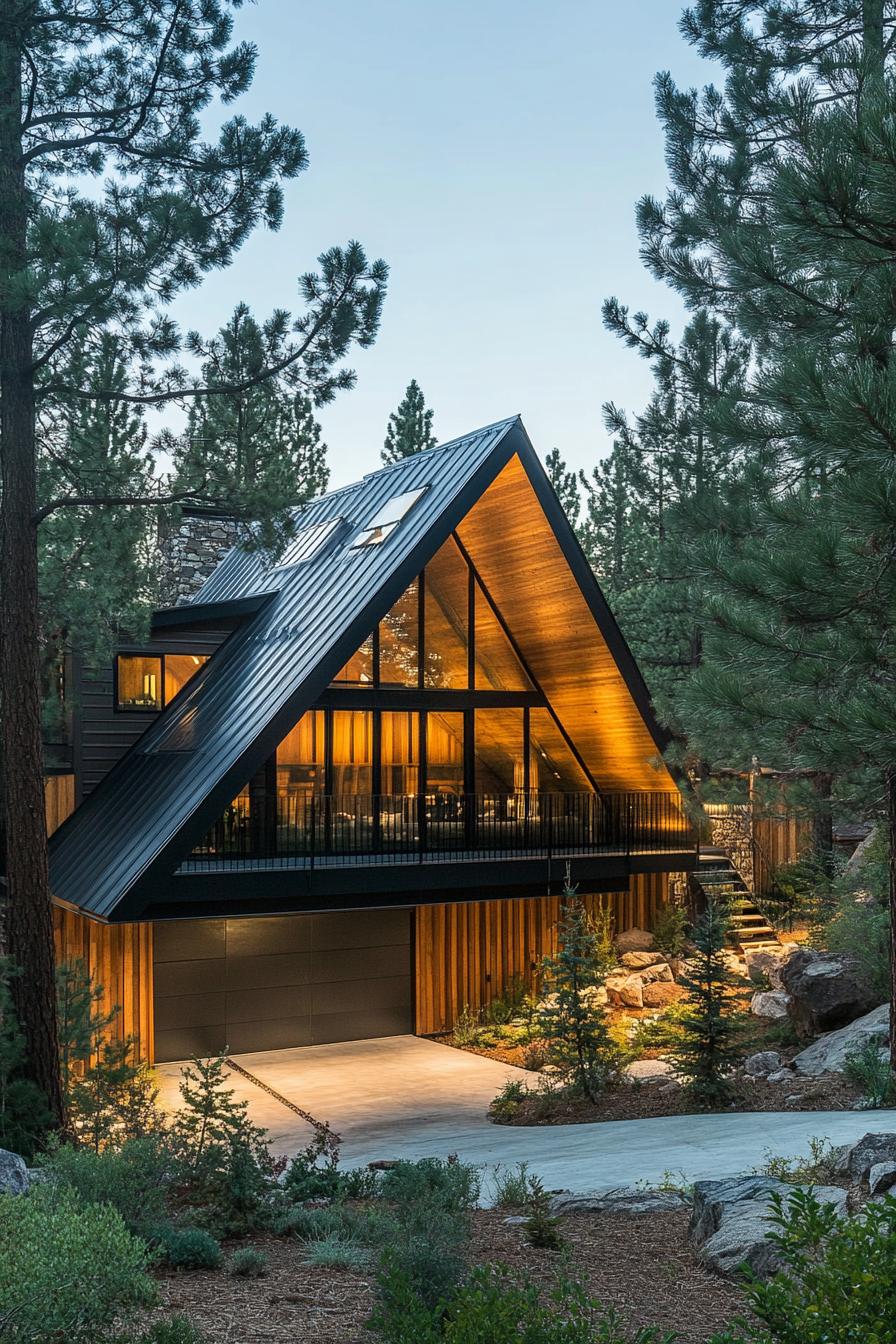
x,y
492,153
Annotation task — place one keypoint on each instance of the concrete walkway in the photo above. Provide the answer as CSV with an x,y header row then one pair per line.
x,y
406,1097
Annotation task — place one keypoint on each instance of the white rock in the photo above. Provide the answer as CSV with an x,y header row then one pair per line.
x,y
649,1071
770,1003
731,1227
780,1076
857,1159
13,1174
828,1054
624,1199
882,1177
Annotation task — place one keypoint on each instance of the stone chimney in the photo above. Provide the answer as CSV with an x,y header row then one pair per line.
x,y
191,550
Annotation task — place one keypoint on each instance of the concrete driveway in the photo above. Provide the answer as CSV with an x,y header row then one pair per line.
x,y
406,1097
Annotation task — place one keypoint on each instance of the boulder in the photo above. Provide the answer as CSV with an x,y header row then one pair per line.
x,y
624,1199
649,1072
770,1003
764,963
856,1160
660,995
762,1064
882,1177
781,1076
730,1225
825,991
658,974
639,961
634,940
625,990
829,1054
13,1174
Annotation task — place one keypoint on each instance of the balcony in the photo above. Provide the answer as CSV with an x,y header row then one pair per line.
x,y
369,831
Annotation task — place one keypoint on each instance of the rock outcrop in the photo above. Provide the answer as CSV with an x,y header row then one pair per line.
x,y
830,1052
731,1227
825,991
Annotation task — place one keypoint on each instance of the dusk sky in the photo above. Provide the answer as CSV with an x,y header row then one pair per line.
x,y
492,153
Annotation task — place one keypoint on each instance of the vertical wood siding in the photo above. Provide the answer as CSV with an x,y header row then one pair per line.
x,y
59,799
468,953
118,957
778,840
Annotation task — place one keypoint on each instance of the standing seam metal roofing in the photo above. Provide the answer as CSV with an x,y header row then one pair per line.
x,y
199,752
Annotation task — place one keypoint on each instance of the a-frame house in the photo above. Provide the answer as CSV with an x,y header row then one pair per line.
x,y
357,777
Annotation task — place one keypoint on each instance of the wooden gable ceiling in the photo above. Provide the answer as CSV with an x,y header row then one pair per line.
x,y
515,549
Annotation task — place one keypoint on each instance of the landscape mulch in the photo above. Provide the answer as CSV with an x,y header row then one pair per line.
x,y
642,1265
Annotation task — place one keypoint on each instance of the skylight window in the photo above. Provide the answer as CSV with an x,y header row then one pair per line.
x,y
307,543
386,519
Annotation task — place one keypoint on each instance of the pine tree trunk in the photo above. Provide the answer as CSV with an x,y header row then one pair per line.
x,y
891,843
29,920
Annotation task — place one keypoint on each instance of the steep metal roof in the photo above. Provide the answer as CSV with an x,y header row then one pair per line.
x,y
174,783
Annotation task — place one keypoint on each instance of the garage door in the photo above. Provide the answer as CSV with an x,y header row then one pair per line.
x,y
263,984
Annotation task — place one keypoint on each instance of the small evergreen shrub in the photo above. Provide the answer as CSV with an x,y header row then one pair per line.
x,y
188,1247
307,1224
817,1167
542,1229
571,1022
452,1184
68,1270
425,1230
838,1284
670,929
248,1263
706,1043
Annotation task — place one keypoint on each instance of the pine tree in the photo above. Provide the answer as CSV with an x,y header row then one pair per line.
x,y
111,204
260,445
566,485
779,219
706,1044
410,427
570,1018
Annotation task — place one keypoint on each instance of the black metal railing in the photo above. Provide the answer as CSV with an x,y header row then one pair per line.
x,y
364,828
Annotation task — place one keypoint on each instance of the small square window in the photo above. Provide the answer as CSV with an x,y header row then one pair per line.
x,y
139,682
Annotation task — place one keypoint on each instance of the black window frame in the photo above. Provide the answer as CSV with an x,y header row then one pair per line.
x,y
119,708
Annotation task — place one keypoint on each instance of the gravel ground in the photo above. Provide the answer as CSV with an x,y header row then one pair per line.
x,y
640,1265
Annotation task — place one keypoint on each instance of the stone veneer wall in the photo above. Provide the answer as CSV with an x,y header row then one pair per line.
x,y
190,551
731,831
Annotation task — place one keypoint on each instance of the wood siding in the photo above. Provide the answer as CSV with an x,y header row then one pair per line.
x,y
102,733
467,953
59,800
118,957
777,840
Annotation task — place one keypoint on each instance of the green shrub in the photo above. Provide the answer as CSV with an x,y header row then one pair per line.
x,y
424,1234
25,1118
248,1263
510,1186
493,1307
307,1224
68,1270
314,1172
454,1185
670,925
338,1251
466,1028
839,1281
541,1228
868,1067
571,1022
188,1247
706,1044
132,1179
506,1005
506,1104
818,1167
535,1056
222,1165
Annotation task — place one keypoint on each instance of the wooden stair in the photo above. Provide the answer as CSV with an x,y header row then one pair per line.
x,y
718,879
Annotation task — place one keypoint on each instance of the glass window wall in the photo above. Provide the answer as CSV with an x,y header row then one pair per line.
x,y
445,620
400,641
499,751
